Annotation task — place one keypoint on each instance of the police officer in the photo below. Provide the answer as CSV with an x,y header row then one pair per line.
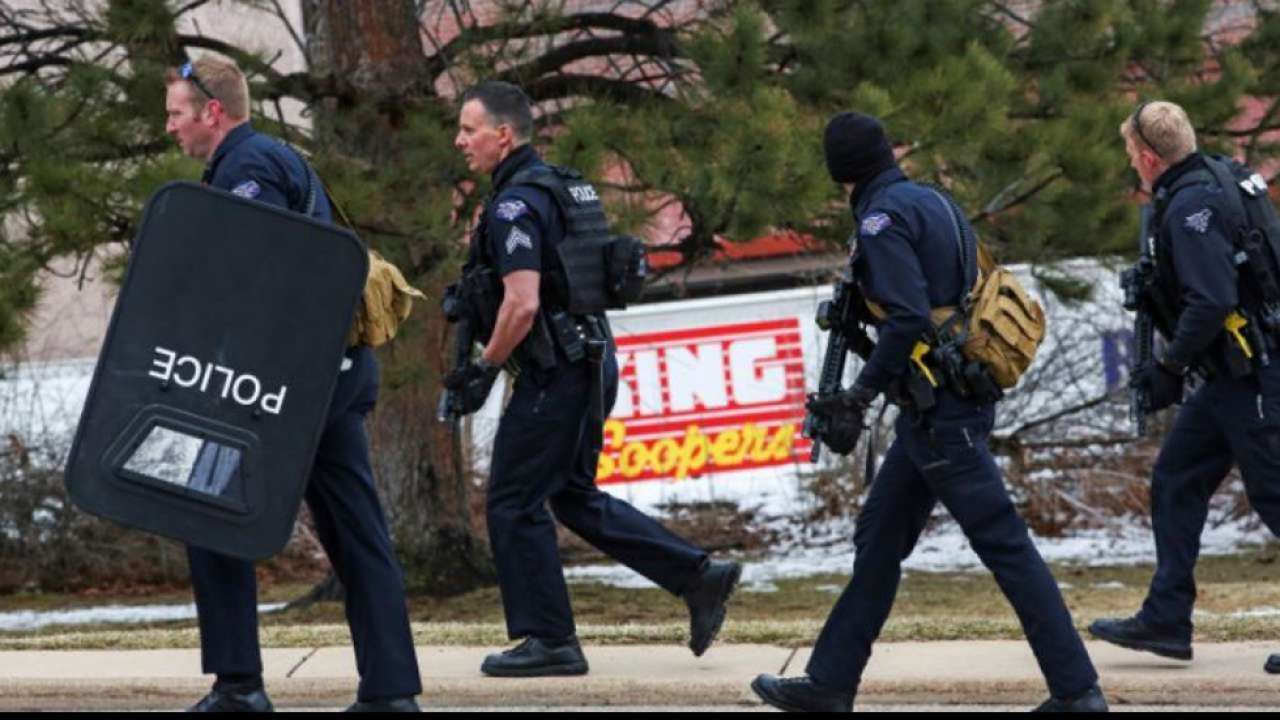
x,y
207,103
549,437
907,258
1235,416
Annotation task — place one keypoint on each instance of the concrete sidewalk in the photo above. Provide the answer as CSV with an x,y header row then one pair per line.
x,y
962,672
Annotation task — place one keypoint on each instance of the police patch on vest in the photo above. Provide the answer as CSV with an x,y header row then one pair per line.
x,y
518,239
583,194
247,189
875,223
509,210
1199,222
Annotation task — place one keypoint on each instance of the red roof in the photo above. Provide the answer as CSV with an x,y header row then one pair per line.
x,y
781,244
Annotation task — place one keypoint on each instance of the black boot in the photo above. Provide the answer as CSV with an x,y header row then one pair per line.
x,y
234,700
800,694
391,705
1089,701
706,599
1135,634
535,658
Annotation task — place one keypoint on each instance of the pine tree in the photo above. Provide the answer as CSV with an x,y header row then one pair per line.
x,y
715,105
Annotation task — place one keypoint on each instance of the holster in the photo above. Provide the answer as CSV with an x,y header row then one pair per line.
x,y
597,345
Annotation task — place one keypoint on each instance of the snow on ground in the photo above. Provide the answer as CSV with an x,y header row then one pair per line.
x,y
946,549
34,620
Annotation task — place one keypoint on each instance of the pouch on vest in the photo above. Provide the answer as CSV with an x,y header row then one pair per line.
x,y
214,381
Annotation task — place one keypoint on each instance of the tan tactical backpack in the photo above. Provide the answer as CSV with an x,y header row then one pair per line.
x,y
386,303
1004,325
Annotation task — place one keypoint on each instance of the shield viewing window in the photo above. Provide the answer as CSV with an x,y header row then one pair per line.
x,y
205,469
187,461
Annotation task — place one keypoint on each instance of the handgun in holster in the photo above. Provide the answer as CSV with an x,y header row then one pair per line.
x,y
597,345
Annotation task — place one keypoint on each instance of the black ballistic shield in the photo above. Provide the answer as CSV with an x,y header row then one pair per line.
x,y
214,381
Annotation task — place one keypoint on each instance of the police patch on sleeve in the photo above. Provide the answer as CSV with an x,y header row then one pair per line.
x,y
509,210
518,239
1199,222
248,189
874,224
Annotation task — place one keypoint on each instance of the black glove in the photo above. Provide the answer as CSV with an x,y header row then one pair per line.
x,y
471,385
1161,386
843,414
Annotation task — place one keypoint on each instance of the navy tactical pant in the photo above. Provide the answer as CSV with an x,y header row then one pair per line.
x,y
956,468
546,451
1226,421
353,531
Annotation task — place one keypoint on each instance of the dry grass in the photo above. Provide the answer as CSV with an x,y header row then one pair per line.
x,y
931,606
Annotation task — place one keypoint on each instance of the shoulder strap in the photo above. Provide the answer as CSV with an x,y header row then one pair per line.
x,y
547,177
1230,191
967,247
315,186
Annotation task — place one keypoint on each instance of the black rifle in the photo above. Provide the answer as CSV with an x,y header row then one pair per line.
x,y
1137,283
464,339
845,322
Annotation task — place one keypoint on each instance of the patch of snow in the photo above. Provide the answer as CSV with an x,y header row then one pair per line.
x,y
946,549
34,620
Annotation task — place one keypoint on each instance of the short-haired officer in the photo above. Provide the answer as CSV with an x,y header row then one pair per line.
x,y
907,258
1234,418
549,437
207,103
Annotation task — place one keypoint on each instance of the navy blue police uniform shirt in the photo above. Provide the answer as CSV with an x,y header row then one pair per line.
x,y
259,167
1193,234
522,223
906,258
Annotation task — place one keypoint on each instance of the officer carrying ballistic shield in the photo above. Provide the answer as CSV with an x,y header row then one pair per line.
x,y
913,253
1208,283
207,104
541,271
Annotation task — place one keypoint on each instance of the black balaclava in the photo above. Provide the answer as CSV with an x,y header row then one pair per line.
x,y
856,148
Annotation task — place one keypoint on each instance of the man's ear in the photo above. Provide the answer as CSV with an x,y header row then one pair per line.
x,y
508,135
212,110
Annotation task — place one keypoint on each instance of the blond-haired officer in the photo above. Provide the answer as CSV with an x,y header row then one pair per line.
x,y
207,104
1204,208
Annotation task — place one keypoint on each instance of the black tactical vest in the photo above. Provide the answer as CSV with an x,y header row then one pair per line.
x,y
1254,231
582,287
